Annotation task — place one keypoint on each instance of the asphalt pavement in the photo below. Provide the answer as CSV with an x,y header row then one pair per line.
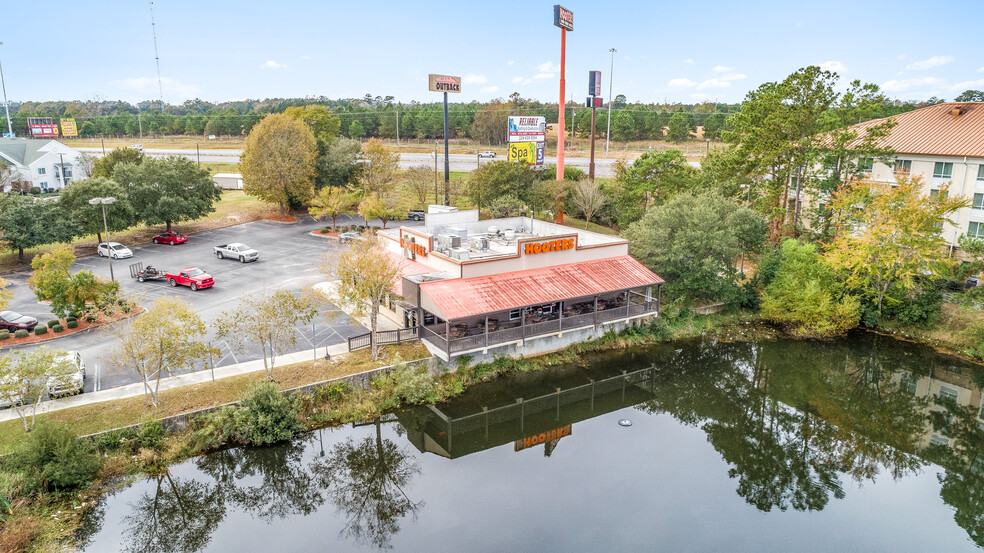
x,y
290,258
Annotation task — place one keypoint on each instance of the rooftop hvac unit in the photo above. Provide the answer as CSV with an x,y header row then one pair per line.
x,y
493,229
443,242
461,254
455,241
480,243
457,231
510,234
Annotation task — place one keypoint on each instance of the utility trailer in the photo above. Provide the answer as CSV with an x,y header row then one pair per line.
x,y
141,273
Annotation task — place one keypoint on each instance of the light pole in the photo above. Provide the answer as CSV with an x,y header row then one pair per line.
x,y
6,106
109,251
608,131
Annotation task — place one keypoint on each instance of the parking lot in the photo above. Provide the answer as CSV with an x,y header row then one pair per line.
x,y
290,258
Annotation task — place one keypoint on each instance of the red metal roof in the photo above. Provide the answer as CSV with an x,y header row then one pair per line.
x,y
952,129
457,298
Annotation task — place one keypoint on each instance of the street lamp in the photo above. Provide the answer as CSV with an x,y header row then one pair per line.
x,y
608,131
6,106
109,252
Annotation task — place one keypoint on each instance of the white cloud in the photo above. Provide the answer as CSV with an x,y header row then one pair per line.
x,y
521,80
472,78
148,85
511,62
900,57
934,61
543,76
548,67
834,66
272,65
733,77
490,89
688,60
906,84
713,83
305,57
981,70
966,85
516,80
722,69
680,83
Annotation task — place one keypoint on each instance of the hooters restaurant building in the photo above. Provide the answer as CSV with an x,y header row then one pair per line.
x,y
513,286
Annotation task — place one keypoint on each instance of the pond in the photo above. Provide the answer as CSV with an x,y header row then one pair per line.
x,y
860,444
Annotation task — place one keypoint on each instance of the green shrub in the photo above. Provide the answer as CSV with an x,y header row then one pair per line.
x,y
35,190
57,328
212,430
266,416
71,318
72,324
54,457
406,385
21,333
115,440
4,334
151,435
91,318
52,323
40,330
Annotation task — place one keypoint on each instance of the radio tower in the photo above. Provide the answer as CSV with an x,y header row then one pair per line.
x,y
157,58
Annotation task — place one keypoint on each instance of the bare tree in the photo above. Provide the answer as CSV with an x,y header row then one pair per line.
x,y
166,339
85,163
361,276
588,197
420,179
268,320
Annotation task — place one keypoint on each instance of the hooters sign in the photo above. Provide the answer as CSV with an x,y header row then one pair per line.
x,y
531,248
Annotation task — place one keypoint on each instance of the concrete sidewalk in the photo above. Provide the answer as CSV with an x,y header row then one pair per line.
x,y
137,389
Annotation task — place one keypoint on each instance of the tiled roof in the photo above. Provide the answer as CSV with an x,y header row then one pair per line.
x,y
936,130
457,298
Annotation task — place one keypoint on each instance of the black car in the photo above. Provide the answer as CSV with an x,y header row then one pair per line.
x,y
14,321
416,214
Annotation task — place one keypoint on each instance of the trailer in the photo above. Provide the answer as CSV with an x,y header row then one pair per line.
x,y
141,273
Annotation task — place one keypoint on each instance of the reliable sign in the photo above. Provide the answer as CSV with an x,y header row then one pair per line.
x,y
444,83
527,129
563,17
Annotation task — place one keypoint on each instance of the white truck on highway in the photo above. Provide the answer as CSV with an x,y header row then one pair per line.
x,y
236,250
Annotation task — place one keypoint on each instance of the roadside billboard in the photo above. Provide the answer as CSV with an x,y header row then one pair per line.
x,y
42,127
529,153
68,128
563,17
527,129
444,83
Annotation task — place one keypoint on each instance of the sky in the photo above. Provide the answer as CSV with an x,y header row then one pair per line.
x,y
686,52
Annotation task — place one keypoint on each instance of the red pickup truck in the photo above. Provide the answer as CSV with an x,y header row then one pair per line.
x,y
192,277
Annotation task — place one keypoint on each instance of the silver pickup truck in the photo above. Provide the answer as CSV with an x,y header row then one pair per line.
x,y
236,250
72,380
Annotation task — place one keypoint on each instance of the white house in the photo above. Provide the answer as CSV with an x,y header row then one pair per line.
x,y
943,144
46,164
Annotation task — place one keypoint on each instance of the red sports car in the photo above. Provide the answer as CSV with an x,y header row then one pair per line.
x,y
171,238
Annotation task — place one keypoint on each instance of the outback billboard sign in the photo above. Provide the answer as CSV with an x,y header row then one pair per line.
x,y
563,17
444,83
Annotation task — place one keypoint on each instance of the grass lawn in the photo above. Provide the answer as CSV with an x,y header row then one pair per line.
x,y
167,142
235,207
221,167
97,417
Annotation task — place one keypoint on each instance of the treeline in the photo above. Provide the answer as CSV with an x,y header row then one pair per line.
x,y
384,117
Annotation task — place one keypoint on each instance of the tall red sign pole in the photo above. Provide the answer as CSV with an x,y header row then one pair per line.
x,y
563,18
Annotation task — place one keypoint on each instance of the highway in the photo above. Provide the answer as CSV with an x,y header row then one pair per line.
x,y
458,162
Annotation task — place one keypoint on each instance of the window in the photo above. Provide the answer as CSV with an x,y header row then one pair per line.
x,y
866,164
934,193
980,174
903,166
40,170
947,392
514,315
978,201
943,170
975,230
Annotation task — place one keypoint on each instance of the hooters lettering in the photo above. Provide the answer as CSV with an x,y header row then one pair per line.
x,y
551,246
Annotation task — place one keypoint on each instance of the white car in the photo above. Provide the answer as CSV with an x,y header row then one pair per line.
x,y
72,382
114,250
487,153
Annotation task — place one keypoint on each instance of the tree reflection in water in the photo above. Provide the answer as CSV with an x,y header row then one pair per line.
x,y
367,483
792,418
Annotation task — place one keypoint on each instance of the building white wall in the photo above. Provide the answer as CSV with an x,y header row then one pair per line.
x,y
963,181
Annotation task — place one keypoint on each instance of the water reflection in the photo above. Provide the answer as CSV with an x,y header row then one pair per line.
x,y
798,426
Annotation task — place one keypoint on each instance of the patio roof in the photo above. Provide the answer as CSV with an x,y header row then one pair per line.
x,y
458,298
